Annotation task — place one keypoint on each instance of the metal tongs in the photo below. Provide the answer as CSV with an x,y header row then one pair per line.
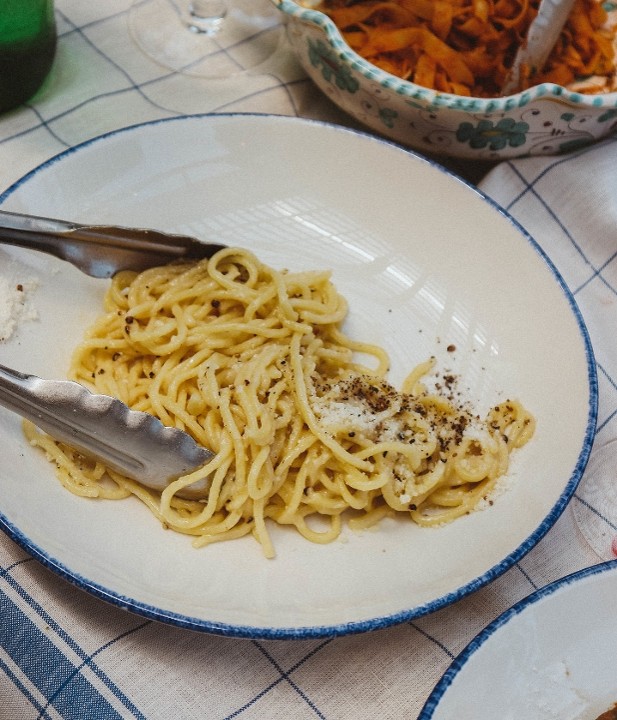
x,y
541,38
100,250
131,442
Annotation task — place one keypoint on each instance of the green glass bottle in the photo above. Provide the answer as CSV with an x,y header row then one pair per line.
x,y
27,48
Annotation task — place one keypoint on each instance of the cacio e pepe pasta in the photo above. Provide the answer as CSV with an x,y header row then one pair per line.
x,y
254,364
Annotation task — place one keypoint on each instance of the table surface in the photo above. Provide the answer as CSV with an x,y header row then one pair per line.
x,y
66,654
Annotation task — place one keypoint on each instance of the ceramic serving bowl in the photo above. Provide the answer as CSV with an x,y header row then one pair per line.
x,y
545,120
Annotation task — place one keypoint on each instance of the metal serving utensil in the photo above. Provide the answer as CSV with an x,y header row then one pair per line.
x,y
134,443
541,38
100,250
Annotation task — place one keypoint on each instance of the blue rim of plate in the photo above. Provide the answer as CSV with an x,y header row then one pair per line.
x,y
461,660
355,627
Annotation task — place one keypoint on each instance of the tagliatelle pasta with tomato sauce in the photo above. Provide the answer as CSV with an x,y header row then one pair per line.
x,y
466,47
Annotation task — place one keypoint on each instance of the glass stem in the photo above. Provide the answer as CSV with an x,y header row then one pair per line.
x,y
206,16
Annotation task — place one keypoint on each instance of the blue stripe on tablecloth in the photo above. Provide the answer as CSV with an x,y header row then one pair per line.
x,y
596,512
284,676
18,616
597,273
613,384
48,669
43,714
132,86
559,160
432,639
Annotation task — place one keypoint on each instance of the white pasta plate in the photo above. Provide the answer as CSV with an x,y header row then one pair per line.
x,y
550,656
425,261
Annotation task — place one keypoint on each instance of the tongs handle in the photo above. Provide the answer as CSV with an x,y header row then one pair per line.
x,y
542,36
100,250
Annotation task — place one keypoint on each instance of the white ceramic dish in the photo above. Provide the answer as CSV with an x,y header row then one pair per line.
x,y
424,260
551,656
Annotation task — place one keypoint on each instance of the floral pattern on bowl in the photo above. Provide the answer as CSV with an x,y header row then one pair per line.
x,y
544,120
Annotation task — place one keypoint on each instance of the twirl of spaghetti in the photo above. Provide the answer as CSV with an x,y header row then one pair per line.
x,y
253,363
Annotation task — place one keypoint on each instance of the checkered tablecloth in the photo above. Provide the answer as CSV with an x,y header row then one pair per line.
x,y
66,654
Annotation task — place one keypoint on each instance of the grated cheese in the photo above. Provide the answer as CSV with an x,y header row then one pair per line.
x,y
15,304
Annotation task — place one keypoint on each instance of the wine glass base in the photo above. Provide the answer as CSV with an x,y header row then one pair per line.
x,y
595,504
240,42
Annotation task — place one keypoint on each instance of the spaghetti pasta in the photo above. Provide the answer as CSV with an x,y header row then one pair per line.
x,y
253,363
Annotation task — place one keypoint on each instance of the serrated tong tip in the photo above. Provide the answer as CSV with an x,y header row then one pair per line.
x,y
134,443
